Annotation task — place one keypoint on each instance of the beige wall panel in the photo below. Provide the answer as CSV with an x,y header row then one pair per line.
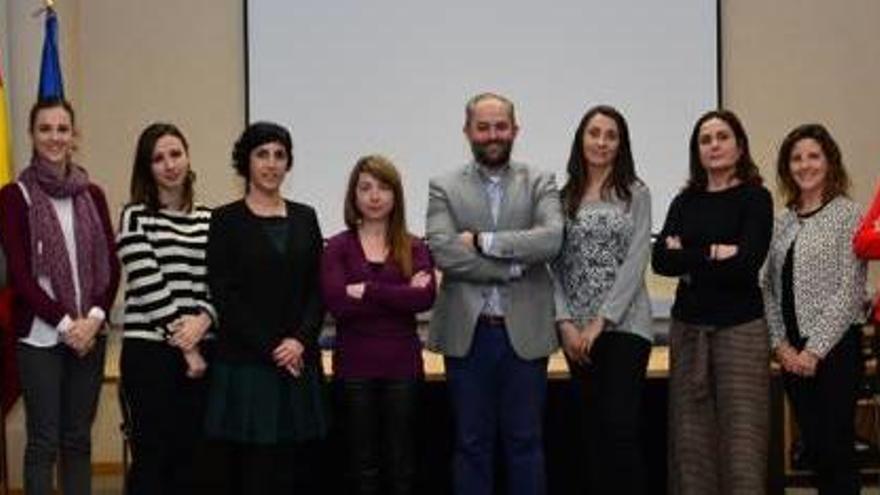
x,y
181,62
788,62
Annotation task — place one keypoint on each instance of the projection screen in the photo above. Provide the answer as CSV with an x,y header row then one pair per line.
x,y
352,78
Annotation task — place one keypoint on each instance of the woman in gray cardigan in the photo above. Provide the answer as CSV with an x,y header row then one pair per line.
x,y
603,310
813,292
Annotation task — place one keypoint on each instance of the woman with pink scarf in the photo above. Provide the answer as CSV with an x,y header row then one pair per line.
x,y
56,233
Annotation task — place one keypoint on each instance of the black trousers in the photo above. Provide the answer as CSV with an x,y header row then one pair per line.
x,y
166,417
380,427
824,407
250,469
613,386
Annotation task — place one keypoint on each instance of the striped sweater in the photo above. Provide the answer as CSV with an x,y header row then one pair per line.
x,y
163,254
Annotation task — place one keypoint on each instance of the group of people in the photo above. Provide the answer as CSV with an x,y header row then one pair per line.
x,y
223,309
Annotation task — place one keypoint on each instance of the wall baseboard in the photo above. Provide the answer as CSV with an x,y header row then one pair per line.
x,y
98,469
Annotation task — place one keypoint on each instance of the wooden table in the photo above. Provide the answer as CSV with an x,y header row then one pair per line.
x,y
557,369
658,364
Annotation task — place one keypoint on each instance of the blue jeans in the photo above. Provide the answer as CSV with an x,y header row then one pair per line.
x,y
494,393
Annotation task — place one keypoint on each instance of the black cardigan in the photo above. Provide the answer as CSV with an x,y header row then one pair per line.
x,y
260,296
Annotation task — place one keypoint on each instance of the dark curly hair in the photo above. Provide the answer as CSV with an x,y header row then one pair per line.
x,y
258,134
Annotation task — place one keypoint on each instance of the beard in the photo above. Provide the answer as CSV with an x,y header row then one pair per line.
x,y
485,156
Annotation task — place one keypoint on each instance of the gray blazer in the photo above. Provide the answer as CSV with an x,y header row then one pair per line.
x,y
528,234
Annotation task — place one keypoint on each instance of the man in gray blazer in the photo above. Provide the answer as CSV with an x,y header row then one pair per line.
x,y
492,226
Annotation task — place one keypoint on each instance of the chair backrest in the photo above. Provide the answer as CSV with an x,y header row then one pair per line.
x,y
870,386
125,427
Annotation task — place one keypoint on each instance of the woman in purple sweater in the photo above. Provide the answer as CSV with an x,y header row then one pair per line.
x,y
375,278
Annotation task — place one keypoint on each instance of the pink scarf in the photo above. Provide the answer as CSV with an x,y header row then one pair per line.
x,y
48,250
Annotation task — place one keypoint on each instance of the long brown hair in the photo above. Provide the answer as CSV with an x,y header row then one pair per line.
x,y
397,237
143,187
836,179
745,169
623,172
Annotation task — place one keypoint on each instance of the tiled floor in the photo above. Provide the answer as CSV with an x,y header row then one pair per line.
x,y
809,491
111,485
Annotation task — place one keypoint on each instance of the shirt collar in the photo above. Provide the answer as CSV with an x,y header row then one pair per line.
x,y
491,175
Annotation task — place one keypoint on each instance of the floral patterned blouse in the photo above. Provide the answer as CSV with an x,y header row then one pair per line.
x,y
600,271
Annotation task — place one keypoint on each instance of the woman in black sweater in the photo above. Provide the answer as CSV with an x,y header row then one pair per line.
x,y
715,239
266,400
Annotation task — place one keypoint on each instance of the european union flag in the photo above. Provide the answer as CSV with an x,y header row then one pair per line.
x,y
51,82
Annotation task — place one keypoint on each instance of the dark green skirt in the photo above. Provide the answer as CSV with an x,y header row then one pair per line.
x,y
260,404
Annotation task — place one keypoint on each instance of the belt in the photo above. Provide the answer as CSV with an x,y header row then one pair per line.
x,y
491,320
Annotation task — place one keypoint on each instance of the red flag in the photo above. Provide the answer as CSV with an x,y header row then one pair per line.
x,y
9,387
8,374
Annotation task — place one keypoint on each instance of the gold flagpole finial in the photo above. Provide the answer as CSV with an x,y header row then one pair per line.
x,y
50,5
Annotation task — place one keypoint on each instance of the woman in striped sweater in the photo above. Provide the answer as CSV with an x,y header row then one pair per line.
x,y
168,315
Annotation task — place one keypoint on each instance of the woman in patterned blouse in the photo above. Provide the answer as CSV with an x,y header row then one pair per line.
x,y
814,291
603,310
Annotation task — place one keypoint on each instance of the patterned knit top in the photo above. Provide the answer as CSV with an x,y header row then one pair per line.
x,y
600,270
829,281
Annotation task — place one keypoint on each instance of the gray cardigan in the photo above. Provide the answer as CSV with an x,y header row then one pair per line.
x,y
600,270
829,281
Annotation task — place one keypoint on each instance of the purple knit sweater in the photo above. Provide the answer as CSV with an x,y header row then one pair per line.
x,y
375,336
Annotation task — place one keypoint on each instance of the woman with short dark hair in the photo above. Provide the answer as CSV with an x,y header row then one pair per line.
x,y
266,400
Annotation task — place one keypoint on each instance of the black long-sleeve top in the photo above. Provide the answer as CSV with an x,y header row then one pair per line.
x,y
717,292
261,294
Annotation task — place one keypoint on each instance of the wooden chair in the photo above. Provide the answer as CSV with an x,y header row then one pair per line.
x,y
125,429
